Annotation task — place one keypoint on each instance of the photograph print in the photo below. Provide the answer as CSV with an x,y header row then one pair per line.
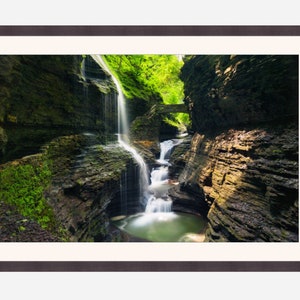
x,y
149,148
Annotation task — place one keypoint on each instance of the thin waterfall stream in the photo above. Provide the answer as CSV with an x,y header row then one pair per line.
x,y
157,223
123,130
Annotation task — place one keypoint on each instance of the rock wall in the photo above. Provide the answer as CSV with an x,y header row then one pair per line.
x,y
245,182
65,107
227,91
86,179
241,168
45,96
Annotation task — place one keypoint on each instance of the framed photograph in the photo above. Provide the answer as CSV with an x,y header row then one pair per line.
x,y
149,148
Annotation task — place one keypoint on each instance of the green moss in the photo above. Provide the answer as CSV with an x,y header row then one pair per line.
x,y
23,186
21,228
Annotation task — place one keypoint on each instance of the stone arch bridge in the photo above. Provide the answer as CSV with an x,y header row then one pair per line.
x,y
167,108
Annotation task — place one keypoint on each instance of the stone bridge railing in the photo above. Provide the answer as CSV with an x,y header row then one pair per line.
x,y
167,108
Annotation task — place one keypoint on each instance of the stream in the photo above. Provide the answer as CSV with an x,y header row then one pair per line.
x,y
164,227
157,223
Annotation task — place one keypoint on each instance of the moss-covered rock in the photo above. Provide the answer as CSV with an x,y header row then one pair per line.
x,y
23,183
44,96
81,189
86,182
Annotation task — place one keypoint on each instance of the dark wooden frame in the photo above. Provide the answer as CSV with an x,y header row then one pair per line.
x,y
266,30
150,266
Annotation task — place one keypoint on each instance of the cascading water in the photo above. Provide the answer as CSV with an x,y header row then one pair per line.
x,y
108,115
165,151
123,132
123,127
159,201
153,197
157,223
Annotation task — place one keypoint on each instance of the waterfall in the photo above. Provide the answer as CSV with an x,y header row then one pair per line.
x,y
123,127
82,70
165,151
108,116
154,196
123,131
158,200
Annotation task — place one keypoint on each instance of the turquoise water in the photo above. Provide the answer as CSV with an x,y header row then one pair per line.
x,y
164,226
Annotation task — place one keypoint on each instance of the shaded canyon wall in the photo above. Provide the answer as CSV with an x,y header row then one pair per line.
x,y
62,110
240,169
45,96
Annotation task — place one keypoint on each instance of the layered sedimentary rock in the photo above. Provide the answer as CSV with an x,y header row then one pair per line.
x,y
241,168
86,181
247,180
224,91
45,96
66,108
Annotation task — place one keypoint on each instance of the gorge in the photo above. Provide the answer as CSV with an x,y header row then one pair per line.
x,y
67,173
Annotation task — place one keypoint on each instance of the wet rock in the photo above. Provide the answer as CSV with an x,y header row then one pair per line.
x,y
47,96
248,181
244,153
224,91
3,140
86,179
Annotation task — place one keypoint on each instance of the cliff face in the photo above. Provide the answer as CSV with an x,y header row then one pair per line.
x,y
244,175
246,182
86,179
63,109
84,183
230,91
45,96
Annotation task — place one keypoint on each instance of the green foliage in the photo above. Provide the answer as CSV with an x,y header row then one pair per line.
x,y
178,120
22,186
150,78
143,76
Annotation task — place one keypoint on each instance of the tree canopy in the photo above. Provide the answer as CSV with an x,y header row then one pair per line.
x,y
150,78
